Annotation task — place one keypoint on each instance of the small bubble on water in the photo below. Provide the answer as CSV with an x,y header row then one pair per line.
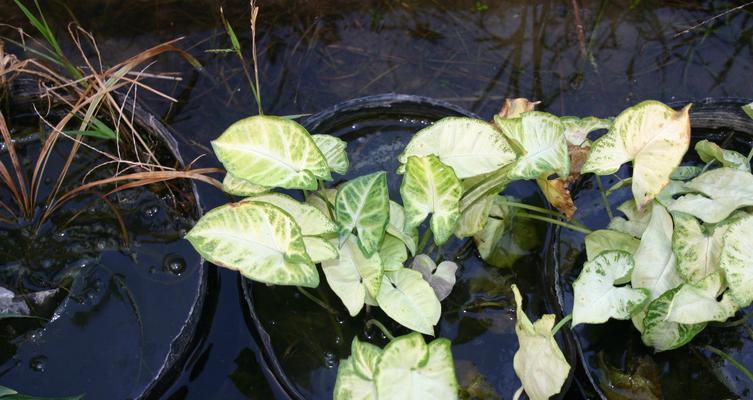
x,y
338,340
150,211
101,244
174,264
38,363
330,360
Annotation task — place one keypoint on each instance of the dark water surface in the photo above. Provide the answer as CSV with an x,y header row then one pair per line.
x,y
316,53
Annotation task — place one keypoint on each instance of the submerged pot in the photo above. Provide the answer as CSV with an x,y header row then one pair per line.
x,y
302,342
615,362
126,311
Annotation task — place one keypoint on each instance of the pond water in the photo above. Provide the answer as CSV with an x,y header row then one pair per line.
x,y
473,53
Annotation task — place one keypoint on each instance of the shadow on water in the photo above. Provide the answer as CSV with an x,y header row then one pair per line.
x,y
472,53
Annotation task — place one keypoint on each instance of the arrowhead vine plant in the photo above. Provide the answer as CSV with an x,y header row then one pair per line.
x,y
678,260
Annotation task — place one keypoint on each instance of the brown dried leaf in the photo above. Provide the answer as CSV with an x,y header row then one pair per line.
x,y
558,195
578,156
514,107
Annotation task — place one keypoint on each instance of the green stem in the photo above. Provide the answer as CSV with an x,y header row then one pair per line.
x,y
738,322
604,197
731,360
563,224
539,209
562,323
316,300
619,185
381,327
424,240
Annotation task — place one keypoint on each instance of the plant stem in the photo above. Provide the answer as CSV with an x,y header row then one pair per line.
x,y
562,323
316,300
731,360
563,224
619,185
604,197
424,240
539,209
381,327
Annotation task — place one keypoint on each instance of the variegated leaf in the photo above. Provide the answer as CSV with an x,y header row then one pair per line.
x,y
353,274
240,187
311,221
698,248
396,227
710,151
737,260
654,260
363,204
662,334
272,152
356,374
320,249
577,129
334,151
408,299
694,304
719,192
392,253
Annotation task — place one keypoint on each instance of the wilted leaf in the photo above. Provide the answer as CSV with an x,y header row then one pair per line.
x,y
272,152
512,108
539,362
653,136
557,194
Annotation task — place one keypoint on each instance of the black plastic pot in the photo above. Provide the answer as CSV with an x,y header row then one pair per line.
x,y
689,372
302,343
133,313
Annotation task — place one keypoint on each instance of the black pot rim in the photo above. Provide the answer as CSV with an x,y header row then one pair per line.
x,y
703,114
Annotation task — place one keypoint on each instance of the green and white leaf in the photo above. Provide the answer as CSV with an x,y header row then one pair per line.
x,y
635,221
596,299
429,186
737,260
655,263
393,253
694,304
408,299
334,151
539,139
240,187
410,369
441,277
577,129
396,227
469,146
662,334
710,151
261,241
698,249
356,374
363,204
320,200
311,221
319,249
718,193
539,362
272,152
603,240
473,219
353,274
685,172
651,135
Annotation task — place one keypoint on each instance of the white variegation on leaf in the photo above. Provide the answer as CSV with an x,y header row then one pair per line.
x,y
441,277
429,186
396,227
393,253
577,129
597,299
356,374
717,193
737,260
635,221
353,274
324,201
320,249
363,204
470,146
410,369
710,151
655,263
603,240
539,362
261,241
539,138
272,152
311,221
473,219
240,187
698,248
662,334
694,304
408,299
651,135
333,149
